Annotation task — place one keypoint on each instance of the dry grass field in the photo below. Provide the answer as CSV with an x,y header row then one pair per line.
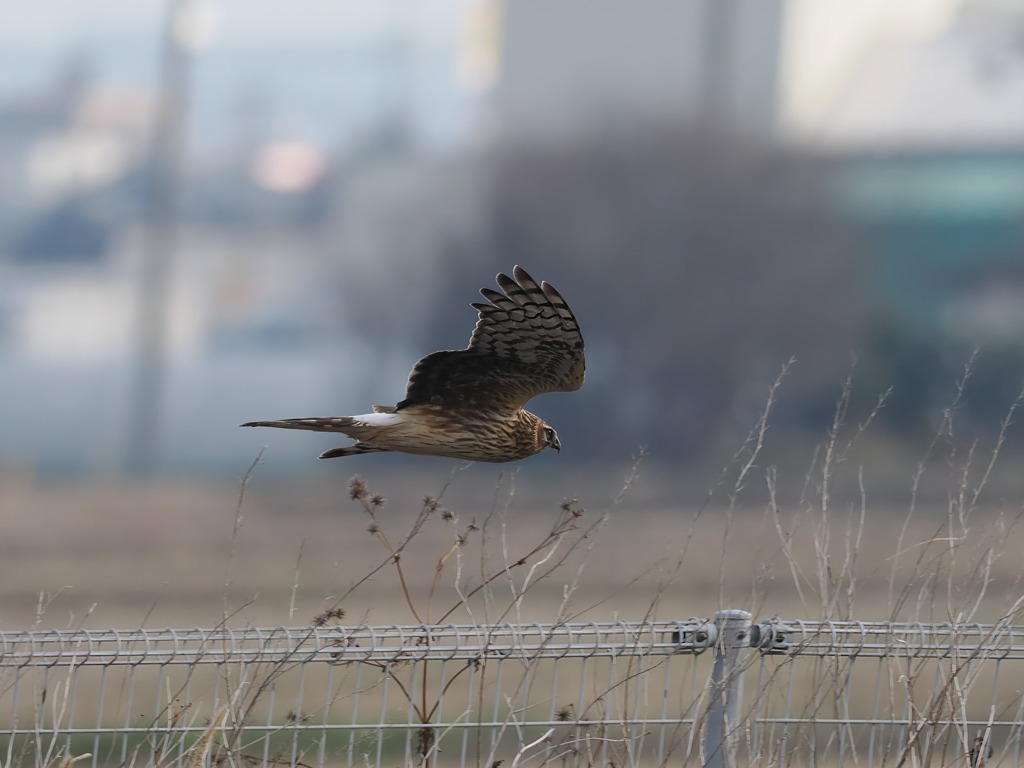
x,y
105,554
848,529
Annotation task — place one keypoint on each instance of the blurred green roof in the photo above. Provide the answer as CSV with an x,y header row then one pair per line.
x,y
987,185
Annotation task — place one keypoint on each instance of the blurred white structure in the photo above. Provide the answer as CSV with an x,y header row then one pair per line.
x,y
826,41
831,71
575,66
926,74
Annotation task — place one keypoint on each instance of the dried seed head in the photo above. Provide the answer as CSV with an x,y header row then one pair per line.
x,y
357,489
572,506
334,614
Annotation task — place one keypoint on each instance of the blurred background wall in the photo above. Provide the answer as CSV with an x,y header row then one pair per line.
x,y
214,211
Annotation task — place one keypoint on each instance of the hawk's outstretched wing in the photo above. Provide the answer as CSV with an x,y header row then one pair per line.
x,y
526,342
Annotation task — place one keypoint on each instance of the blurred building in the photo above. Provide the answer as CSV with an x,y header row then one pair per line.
x,y
321,178
929,126
247,303
922,114
573,67
949,77
71,140
808,70
828,43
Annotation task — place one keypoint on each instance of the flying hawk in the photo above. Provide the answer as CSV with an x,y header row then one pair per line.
x,y
468,403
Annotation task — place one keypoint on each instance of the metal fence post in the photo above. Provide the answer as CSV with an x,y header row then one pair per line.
x,y
721,726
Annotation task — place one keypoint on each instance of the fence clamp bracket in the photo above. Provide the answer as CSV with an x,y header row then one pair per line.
x,y
771,636
696,638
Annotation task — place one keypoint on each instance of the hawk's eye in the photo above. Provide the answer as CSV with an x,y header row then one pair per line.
x,y
549,434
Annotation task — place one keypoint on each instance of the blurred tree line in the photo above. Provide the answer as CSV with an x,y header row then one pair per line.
x,y
698,265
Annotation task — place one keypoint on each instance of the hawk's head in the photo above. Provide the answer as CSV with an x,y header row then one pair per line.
x,y
549,438
532,435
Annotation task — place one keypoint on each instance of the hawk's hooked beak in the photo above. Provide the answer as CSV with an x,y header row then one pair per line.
x,y
555,444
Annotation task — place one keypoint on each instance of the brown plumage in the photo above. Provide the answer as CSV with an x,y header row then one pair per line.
x,y
468,403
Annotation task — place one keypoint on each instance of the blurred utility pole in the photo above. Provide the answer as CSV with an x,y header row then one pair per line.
x,y
716,84
738,74
162,208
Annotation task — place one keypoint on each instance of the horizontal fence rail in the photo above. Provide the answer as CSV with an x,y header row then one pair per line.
x,y
720,692
878,639
332,644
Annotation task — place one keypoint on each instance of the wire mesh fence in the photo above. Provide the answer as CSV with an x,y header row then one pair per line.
x,y
624,694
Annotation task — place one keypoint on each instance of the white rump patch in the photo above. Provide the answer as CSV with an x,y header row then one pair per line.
x,y
381,419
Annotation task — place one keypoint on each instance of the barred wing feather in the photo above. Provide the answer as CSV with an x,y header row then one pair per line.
x,y
526,342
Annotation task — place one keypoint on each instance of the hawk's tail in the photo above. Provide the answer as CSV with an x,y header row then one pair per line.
x,y
325,424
